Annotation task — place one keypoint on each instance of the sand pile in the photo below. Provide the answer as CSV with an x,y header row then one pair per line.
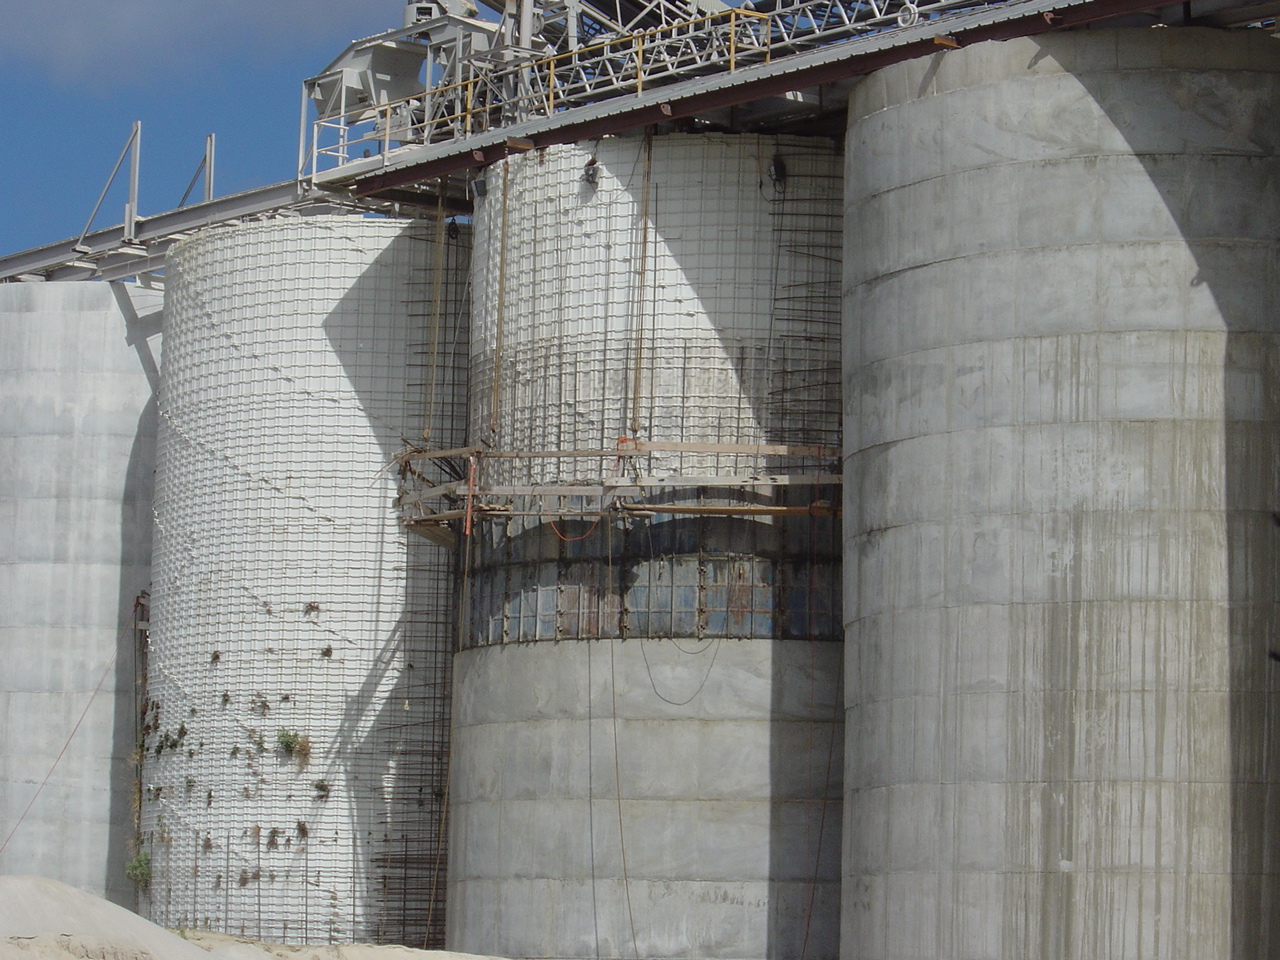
x,y
42,919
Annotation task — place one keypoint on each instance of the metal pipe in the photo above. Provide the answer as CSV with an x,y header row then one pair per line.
x,y
302,135
209,143
820,508
131,210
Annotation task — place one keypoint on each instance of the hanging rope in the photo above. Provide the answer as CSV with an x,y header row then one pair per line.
x,y
58,759
617,763
495,393
613,472
556,530
464,599
646,184
811,617
439,866
713,645
437,294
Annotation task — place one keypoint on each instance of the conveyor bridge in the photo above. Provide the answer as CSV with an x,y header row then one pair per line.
x,y
398,115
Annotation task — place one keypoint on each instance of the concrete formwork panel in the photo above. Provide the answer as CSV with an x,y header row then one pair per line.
x,y
77,446
296,723
646,797
1062,334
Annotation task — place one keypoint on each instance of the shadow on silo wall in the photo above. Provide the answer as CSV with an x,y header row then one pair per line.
x,y
1210,142
806,750
135,575
397,772
789,382
786,362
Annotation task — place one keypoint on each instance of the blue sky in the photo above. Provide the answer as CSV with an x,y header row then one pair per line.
x,y
77,73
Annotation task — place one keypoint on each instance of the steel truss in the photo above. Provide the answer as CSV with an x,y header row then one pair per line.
x,y
581,56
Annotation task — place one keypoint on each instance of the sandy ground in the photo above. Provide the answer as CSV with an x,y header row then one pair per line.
x,y
224,947
43,919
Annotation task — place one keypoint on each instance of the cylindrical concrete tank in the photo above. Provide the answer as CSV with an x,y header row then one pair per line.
x,y
77,445
297,712
1062,446
664,784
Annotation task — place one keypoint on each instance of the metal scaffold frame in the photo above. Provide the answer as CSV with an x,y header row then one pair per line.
x,y
471,87
469,499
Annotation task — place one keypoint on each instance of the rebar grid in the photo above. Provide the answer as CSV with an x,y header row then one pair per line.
x,y
295,733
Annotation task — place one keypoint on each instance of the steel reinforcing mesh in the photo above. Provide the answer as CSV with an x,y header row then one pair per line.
x,y
687,294
678,290
296,721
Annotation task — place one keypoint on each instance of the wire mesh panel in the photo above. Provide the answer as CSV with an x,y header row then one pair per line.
x,y
296,721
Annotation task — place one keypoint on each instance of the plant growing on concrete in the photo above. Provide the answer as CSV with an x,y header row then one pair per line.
x,y
294,744
168,741
288,740
139,870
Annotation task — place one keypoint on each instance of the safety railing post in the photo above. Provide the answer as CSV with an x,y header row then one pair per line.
x,y
302,134
733,39
342,126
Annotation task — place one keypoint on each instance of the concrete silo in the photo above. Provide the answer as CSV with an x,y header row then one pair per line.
x,y
646,703
297,698
77,438
1062,308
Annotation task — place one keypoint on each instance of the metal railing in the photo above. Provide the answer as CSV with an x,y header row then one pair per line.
x,y
505,86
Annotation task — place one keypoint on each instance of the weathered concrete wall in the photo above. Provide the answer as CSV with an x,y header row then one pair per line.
x,y
726,757
1062,352
77,448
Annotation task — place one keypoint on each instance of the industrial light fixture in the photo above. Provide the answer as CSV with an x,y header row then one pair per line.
x,y
778,170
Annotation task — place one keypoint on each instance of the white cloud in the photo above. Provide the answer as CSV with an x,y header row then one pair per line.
x,y
109,43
